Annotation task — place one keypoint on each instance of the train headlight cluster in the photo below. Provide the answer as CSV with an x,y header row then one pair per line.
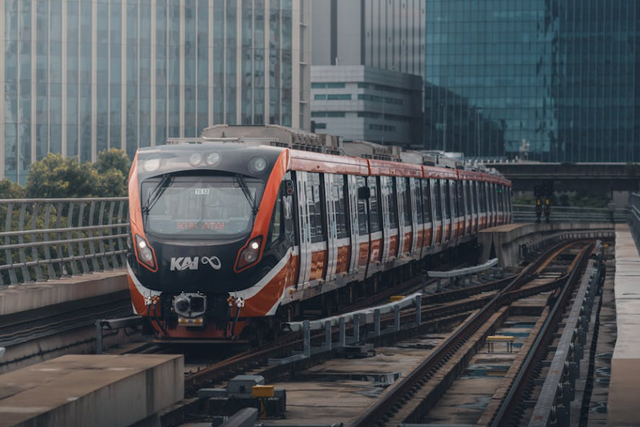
x,y
145,253
250,254
195,159
258,164
151,165
213,159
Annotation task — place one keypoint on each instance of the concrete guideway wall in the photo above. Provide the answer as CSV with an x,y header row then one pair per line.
x,y
505,241
624,397
27,297
98,391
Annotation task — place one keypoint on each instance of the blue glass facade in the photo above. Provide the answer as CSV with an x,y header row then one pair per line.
x,y
555,80
81,76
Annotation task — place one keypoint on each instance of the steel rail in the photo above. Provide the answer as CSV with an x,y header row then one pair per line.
x,y
512,399
379,412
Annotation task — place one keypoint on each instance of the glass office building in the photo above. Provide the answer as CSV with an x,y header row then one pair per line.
x,y
551,80
81,76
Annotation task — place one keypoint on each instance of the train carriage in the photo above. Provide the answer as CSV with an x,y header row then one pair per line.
x,y
246,223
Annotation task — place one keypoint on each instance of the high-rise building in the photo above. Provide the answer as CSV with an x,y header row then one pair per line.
x,y
373,51
378,33
81,76
549,80
367,104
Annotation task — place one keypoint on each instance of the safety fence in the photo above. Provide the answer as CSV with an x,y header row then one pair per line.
x,y
46,239
634,216
527,213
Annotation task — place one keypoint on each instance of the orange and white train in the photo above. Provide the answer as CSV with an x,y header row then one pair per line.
x,y
246,224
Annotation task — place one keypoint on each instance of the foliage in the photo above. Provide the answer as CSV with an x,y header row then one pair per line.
x,y
112,159
9,190
55,176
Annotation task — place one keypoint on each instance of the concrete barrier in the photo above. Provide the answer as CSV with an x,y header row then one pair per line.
x,y
98,391
506,242
19,298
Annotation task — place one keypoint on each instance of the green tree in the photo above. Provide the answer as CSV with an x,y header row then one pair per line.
x,y
113,167
112,184
10,190
55,176
113,159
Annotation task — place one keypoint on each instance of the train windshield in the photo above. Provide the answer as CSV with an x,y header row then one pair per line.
x,y
200,206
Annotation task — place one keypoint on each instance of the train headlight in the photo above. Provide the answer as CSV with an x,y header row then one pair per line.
x,y
250,254
151,165
213,159
145,253
195,159
258,164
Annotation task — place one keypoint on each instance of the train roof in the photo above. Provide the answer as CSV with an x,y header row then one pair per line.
x,y
327,153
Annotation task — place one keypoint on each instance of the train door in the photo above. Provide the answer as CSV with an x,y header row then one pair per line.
x,y
332,238
480,193
462,208
470,206
375,226
360,243
390,218
405,214
427,207
473,192
417,218
437,202
354,221
468,229
446,200
500,204
304,228
494,194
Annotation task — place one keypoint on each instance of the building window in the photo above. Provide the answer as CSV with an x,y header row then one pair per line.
x,y
321,126
339,97
328,114
385,128
320,97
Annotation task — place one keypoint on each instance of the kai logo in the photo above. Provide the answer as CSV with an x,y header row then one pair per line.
x,y
188,263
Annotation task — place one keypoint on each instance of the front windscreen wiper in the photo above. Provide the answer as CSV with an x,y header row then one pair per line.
x,y
247,194
155,194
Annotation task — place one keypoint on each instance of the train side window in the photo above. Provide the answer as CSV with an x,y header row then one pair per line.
x,y
474,197
426,200
363,224
275,231
500,199
438,199
393,201
406,200
482,197
467,197
338,198
462,207
447,199
314,202
417,193
374,203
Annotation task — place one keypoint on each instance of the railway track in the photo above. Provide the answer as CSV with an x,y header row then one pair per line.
x,y
411,399
456,303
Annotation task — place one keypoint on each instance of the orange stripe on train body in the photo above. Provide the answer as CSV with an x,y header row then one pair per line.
x,y
265,210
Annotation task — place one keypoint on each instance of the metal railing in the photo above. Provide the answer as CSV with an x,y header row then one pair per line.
x,y
634,216
45,239
526,213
